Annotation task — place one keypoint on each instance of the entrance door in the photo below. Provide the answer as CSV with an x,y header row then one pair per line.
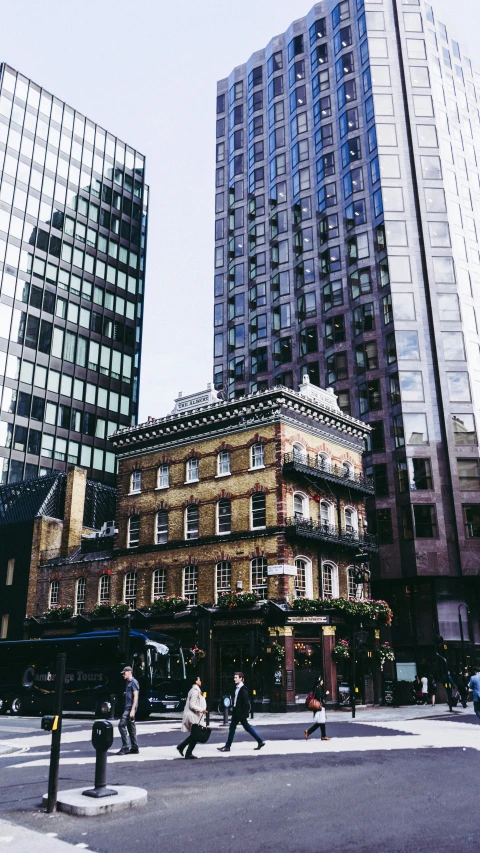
x,y
308,665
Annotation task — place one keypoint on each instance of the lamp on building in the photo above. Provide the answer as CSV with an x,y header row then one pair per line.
x,y
239,585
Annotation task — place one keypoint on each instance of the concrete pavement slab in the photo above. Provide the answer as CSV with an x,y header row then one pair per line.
x,y
74,802
17,838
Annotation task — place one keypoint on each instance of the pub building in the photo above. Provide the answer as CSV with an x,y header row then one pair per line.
x,y
240,529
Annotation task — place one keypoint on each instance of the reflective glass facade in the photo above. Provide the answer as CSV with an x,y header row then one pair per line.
x,y
347,248
73,214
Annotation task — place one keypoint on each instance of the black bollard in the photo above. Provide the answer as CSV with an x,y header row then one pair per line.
x,y
102,739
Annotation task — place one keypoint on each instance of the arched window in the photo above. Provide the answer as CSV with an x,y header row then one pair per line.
x,y
223,463
326,514
324,461
351,520
191,522
300,506
192,470
190,584
135,482
104,590
54,592
259,510
130,594
355,591
303,580
163,477
329,580
258,456
224,516
133,531
347,470
258,571
159,584
223,577
162,527
299,452
80,593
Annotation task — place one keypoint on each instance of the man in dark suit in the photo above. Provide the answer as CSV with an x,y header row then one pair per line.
x,y
241,707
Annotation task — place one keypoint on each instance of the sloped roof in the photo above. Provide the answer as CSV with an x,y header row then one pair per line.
x,y
45,496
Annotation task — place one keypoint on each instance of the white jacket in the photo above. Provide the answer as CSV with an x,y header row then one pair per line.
x,y
194,706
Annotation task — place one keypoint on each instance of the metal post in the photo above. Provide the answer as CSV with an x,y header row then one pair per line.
x,y
56,733
254,693
354,669
462,639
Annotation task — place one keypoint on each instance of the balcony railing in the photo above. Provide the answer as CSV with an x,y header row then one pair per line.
x,y
310,529
308,463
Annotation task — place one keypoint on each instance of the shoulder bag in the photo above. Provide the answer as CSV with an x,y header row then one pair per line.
x,y
201,733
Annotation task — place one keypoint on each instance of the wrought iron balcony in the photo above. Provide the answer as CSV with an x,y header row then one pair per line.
x,y
310,529
308,463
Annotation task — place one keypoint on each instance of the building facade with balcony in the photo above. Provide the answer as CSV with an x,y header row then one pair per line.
x,y
347,192
73,214
222,500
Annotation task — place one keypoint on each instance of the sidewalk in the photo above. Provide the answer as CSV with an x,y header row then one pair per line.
x,y
21,840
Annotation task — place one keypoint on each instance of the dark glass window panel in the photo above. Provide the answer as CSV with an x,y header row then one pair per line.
x,y
23,404
421,474
34,442
380,473
97,322
42,240
76,420
425,521
89,423
64,414
31,333
55,246
129,336
49,302
38,408
45,339
384,526
36,296
106,194
20,439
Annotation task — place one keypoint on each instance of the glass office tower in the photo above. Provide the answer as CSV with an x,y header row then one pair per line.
x,y
347,209
73,213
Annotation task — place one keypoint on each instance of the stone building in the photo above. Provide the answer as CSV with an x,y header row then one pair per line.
x,y
219,500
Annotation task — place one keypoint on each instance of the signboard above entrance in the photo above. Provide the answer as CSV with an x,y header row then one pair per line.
x,y
282,570
301,620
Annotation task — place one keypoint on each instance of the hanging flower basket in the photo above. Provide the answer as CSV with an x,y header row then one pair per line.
x,y
229,600
103,610
385,652
121,608
278,651
58,614
197,654
168,605
341,651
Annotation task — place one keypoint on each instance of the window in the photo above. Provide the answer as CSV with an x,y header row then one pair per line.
x,y
299,452
159,584
351,520
162,528
257,456
300,506
191,522
224,516
54,594
223,463
324,461
408,346
258,510
136,482
326,514
458,387
464,429
104,589
329,580
354,591
415,428
471,517
258,571
223,577
425,517
190,584
163,477
469,474
380,475
192,470
420,474
10,570
133,531
80,594
130,596
303,579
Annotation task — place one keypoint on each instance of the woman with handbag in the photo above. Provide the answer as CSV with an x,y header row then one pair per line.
x,y
194,711
317,705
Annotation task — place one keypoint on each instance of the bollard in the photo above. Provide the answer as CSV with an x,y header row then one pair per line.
x,y
54,725
226,705
102,739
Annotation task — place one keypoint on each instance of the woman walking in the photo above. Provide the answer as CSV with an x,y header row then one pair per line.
x,y
195,708
320,715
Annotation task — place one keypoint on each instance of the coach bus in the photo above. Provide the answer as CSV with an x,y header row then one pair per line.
x,y
93,680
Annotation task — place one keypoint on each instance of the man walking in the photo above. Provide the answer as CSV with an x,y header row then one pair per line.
x,y
474,684
127,720
241,707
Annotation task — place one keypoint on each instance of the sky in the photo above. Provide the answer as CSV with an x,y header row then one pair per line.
x,y
147,72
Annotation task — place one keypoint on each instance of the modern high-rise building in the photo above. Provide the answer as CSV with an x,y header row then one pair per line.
x,y
347,209
73,212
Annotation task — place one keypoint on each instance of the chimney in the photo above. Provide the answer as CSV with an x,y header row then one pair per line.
x,y
74,506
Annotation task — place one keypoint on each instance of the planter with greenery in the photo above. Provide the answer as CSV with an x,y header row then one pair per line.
x,y
341,651
58,614
230,600
165,605
367,611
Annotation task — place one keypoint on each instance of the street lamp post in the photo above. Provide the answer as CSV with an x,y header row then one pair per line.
x,y
361,577
462,639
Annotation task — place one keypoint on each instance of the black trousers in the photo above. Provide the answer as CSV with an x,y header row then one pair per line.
x,y
316,726
127,723
190,742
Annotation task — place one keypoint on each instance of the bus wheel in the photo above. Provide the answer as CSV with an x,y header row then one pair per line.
x,y
16,706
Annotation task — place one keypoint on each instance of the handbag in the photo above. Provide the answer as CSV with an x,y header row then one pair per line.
x,y
314,705
201,733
